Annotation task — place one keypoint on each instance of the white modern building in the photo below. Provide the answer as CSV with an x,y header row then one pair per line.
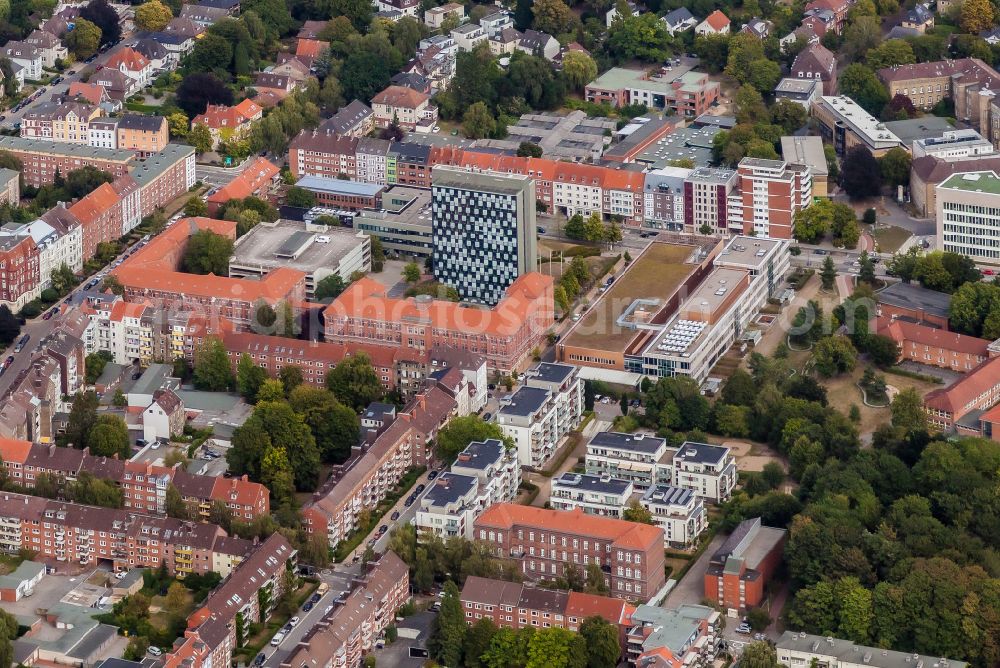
x,y
542,411
640,459
594,495
707,470
800,649
968,215
953,144
495,467
485,473
717,313
678,511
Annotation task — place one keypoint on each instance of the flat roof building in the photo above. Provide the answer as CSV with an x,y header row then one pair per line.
x,y
403,224
317,251
968,215
808,151
846,124
739,570
484,231
914,302
801,649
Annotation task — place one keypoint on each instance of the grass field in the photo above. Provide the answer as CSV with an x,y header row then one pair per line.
x,y
654,275
843,391
890,238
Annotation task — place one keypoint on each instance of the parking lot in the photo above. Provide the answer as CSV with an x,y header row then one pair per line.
x,y
59,588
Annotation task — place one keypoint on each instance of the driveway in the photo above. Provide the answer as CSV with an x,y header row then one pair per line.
x,y
691,588
397,654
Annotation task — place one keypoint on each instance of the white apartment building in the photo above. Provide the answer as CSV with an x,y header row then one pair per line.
x,y
707,470
577,198
485,473
542,411
448,508
678,511
495,23
494,466
123,329
641,459
468,36
968,215
370,160
800,650
595,495
103,132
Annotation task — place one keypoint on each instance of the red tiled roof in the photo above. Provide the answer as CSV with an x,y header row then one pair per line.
x,y
621,532
954,398
90,92
153,268
14,451
367,298
252,179
717,20
310,47
582,605
130,58
239,491
91,207
400,96
219,116
902,330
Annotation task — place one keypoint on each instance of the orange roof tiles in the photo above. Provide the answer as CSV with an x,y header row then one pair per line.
x,y
400,96
367,299
542,169
239,491
621,532
154,268
131,59
219,116
582,605
90,92
962,393
310,47
251,180
91,207
902,330
123,309
14,451
717,20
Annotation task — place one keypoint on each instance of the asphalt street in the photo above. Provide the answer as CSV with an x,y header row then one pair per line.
x,y
339,581
69,76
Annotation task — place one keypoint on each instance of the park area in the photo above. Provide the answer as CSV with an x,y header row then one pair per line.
x,y
890,238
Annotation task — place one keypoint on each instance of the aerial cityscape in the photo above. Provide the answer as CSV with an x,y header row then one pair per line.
x,y
511,334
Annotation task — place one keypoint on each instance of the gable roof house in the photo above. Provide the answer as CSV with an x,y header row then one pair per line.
x,y
27,56
538,43
132,64
679,20
758,27
409,108
278,84
94,94
118,85
158,56
919,18
225,122
817,62
715,23
202,15
49,45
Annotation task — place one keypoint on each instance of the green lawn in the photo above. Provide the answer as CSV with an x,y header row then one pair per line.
x,y
890,238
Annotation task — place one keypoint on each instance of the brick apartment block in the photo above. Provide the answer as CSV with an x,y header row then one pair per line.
x,y
740,569
934,346
342,638
152,275
543,543
513,605
505,334
367,477
70,532
143,485
42,158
